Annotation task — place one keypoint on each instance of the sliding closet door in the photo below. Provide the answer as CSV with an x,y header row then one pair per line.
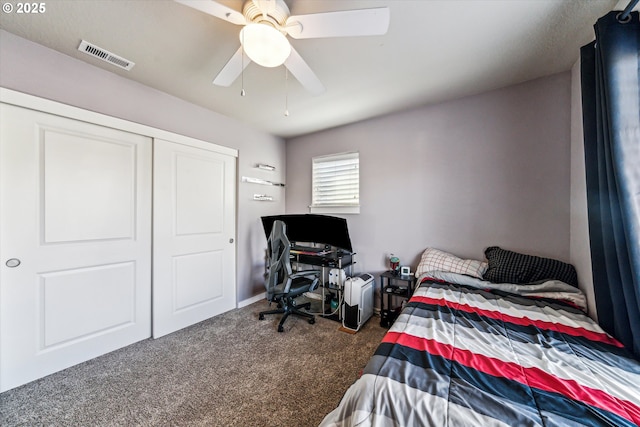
x,y
75,242
194,232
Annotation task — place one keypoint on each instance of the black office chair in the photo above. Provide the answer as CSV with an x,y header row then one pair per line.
x,y
282,285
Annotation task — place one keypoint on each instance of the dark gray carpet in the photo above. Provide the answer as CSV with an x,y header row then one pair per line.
x,y
232,370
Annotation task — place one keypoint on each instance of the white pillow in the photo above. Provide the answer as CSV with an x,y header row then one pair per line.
x,y
437,260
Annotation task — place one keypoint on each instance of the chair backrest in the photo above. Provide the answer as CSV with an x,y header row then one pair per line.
x,y
279,272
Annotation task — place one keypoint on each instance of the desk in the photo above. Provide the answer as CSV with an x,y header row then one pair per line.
x,y
337,258
330,246
326,260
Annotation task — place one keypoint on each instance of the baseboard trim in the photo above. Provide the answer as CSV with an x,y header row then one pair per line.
x,y
251,300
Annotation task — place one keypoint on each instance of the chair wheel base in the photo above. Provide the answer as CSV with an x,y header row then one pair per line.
x,y
287,307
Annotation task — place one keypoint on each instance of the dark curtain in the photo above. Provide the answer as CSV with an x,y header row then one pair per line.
x,y
610,71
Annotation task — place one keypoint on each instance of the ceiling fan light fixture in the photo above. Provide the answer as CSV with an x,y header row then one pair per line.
x,y
264,44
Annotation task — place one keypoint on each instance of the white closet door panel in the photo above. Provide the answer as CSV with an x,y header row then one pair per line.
x,y
94,200
75,209
108,296
197,279
194,235
195,178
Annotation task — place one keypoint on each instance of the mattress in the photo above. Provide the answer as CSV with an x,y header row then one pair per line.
x,y
466,352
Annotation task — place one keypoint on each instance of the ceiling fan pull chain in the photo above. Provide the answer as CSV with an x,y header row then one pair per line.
x,y
286,92
242,92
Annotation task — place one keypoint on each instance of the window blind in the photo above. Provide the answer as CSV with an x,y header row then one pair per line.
x,y
336,180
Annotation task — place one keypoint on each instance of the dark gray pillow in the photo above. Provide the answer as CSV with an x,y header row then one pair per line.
x,y
513,267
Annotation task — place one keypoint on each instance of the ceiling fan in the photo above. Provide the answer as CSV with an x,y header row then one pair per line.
x,y
266,24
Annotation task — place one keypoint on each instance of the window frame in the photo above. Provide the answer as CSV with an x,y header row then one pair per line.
x,y
337,207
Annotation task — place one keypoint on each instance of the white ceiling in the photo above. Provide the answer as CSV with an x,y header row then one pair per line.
x,y
434,50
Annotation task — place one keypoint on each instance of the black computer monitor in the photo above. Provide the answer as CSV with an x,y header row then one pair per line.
x,y
328,230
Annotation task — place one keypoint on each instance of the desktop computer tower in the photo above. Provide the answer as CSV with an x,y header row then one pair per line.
x,y
358,301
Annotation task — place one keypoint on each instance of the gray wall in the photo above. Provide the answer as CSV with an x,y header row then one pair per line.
x,y
31,68
580,246
491,169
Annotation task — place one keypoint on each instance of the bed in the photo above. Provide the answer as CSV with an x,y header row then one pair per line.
x,y
468,351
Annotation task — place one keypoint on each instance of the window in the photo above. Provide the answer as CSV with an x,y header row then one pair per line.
x,y
336,183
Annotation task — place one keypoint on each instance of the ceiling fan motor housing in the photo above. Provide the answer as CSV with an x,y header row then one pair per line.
x,y
276,16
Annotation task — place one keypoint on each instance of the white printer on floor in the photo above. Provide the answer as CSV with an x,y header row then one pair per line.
x,y
358,301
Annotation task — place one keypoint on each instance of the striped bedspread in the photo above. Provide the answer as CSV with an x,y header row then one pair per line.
x,y
463,355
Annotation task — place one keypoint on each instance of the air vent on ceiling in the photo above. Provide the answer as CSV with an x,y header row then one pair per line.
x,y
105,55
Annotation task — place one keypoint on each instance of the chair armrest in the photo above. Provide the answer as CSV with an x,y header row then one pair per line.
x,y
297,274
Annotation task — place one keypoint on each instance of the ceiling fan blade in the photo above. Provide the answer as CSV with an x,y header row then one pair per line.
x,y
303,73
360,22
232,69
216,9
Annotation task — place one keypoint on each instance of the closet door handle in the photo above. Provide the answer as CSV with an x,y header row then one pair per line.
x,y
231,240
12,262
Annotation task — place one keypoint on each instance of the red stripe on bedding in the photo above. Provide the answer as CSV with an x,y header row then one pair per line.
x,y
522,321
533,377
